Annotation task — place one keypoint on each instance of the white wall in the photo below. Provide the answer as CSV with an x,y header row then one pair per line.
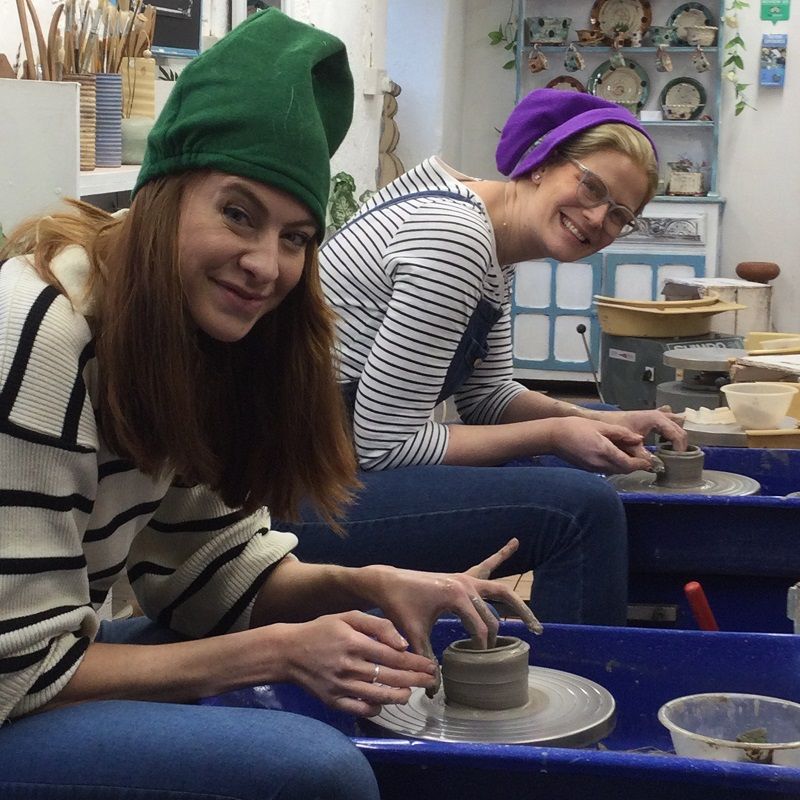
x,y
427,61
760,169
361,25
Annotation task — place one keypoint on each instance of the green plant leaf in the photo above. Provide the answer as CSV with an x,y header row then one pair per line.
x,y
495,37
509,64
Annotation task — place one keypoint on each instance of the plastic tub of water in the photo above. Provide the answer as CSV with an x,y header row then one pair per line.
x,y
760,405
734,727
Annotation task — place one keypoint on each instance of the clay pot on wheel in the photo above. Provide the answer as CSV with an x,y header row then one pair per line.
x,y
679,469
495,678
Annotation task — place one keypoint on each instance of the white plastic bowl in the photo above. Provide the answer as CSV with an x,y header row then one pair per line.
x,y
759,406
707,726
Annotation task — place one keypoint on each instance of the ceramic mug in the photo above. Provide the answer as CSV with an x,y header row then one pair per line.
x,y
537,61
663,59
699,60
574,61
661,34
617,57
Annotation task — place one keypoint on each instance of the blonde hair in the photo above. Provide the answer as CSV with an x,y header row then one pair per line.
x,y
620,138
261,420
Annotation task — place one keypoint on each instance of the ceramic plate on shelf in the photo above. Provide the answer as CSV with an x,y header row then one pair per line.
x,y
683,98
616,16
688,15
626,85
567,84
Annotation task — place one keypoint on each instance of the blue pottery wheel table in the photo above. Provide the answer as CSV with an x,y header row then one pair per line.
x,y
642,668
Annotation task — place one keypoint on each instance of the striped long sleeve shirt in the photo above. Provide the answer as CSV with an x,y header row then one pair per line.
x,y
404,281
73,516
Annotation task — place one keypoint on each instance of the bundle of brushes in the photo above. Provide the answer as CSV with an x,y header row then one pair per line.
x,y
93,37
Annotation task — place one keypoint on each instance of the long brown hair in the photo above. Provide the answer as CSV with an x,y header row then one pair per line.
x,y
260,420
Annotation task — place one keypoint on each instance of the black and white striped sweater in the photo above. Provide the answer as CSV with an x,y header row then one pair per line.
x,y
404,281
73,516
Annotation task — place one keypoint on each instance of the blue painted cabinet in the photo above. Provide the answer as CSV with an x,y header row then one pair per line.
x,y
551,299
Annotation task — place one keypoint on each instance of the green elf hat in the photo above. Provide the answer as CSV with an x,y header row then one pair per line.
x,y
271,101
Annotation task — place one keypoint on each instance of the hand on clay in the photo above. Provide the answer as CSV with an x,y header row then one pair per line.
x,y
415,600
660,420
599,446
355,662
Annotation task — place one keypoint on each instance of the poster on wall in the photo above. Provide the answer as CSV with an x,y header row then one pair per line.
x,y
773,59
775,10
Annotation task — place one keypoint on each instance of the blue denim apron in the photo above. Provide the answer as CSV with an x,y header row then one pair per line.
x,y
472,348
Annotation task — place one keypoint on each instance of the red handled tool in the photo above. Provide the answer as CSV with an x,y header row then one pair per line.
x,y
700,607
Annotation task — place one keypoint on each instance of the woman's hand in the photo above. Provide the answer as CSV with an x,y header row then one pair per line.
x,y
415,600
598,446
661,420
355,662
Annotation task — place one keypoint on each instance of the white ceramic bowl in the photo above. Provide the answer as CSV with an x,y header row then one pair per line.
x,y
707,726
759,406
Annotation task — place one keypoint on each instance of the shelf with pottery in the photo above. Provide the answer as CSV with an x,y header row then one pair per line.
x,y
664,67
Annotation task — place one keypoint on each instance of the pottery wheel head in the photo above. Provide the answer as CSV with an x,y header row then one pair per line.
x,y
563,710
711,482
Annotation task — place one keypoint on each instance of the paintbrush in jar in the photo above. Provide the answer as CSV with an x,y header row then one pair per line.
x,y
69,36
87,63
52,47
30,64
40,42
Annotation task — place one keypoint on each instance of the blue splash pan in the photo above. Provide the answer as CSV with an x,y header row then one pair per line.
x,y
642,668
742,549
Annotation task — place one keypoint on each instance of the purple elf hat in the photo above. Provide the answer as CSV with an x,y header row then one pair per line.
x,y
545,118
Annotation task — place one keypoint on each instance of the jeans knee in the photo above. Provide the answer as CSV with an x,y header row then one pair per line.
x,y
335,770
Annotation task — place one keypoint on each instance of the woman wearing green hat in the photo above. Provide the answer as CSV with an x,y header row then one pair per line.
x,y
165,375
420,279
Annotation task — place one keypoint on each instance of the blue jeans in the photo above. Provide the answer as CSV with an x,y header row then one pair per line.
x,y
570,524
133,750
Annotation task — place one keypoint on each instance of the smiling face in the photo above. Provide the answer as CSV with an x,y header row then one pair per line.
x,y
564,229
242,250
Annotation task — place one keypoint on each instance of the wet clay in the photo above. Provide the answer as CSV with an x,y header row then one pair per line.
x,y
494,678
679,468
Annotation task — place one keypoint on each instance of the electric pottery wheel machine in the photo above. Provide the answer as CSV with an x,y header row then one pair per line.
x,y
732,526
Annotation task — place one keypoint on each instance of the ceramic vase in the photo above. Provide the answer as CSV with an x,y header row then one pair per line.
x,y
108,138
134,138
87,119
138,87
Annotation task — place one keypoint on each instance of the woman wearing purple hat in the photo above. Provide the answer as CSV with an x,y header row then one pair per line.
x,y
420,280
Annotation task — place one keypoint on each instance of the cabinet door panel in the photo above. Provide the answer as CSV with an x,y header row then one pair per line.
x,y
641,276
550,300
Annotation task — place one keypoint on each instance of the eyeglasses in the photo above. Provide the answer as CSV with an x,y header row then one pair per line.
x,y
619,220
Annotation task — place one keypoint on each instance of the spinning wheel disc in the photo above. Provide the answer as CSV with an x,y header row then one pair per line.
x,y
713,482
563,710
